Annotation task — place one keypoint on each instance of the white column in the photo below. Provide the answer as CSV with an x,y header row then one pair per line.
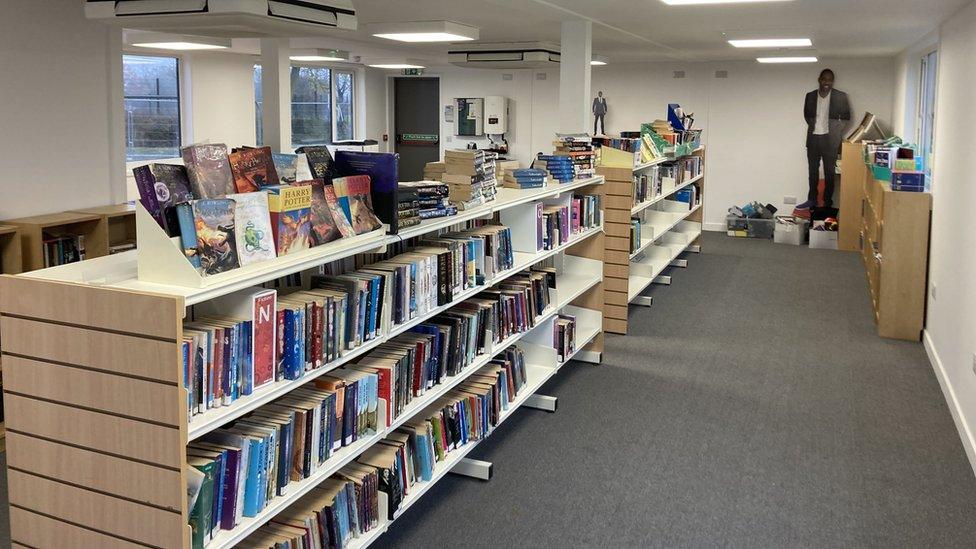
x,y
576,51
276,88
116,117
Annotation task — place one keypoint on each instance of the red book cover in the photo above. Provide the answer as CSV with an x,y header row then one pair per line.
x,y
264,336
253,169
418,367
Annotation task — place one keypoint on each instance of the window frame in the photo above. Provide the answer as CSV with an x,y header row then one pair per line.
x,y
335,104
181,97
926,106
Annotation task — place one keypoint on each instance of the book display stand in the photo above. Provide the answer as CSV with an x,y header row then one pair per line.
x,y
94,389
669,228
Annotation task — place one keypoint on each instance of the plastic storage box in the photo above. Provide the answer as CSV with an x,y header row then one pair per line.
x,y
823,240
791,233
750,228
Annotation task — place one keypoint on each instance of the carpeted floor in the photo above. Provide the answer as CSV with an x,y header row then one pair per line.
x,y
751,406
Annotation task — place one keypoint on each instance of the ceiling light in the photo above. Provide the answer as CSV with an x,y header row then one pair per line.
x,y
319,55
773,43
695,2
787,59
179,42
395,64
599,61
424,31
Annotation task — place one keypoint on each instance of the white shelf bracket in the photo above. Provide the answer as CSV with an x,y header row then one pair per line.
x,y
695,249
590,357
666,280
473,468
643,301
683,263
541,402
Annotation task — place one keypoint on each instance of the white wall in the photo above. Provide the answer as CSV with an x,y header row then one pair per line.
x,y
951,323
221,100
753,121
58,141
374,84
908,67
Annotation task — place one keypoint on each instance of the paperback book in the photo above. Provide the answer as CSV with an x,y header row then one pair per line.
x,y
208,170
255,238
354,198
324,228
290,211
253,169
216,238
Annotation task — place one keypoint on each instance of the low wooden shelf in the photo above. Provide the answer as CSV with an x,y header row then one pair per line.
x,y
11,258
32,230
120,222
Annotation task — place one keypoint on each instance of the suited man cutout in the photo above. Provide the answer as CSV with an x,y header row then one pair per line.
x,y
599,112
828,113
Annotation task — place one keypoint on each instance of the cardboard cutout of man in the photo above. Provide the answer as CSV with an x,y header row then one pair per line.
x,y
599,112
828,113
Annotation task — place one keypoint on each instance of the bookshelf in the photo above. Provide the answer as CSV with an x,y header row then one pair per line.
x,y
11,260
120,222
893,239
669,228
97,410
34,230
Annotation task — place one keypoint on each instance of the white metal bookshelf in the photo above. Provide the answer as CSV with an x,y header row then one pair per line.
x,y
125,276
664,194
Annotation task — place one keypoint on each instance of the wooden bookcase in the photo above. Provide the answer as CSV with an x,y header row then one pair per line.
x,y
95,404
670,230
120,222
893,239
11,259
33,230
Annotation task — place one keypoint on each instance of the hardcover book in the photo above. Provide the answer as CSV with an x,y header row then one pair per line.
x,y
253,169
161,187
216,238
286,165
208,169
264,322
353,194
324,227
255,239
382,169
320,162
290,207
188,233
338,214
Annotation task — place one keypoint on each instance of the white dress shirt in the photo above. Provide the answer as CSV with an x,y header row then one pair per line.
x,y
822,126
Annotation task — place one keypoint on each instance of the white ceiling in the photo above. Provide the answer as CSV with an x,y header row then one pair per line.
x,y
649,30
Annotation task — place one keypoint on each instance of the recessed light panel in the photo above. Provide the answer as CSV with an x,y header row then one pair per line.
x,y
787,59
179,42
773,43
424,31
319,55
697,2
395,64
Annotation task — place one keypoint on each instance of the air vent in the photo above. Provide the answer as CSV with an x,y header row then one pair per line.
x,y
226,18
509,55
721,74
679,74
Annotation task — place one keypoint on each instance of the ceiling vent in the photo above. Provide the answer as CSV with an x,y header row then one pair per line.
x,y
226,18
506,55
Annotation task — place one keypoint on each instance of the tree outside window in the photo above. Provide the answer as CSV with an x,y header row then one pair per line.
x,y
151,88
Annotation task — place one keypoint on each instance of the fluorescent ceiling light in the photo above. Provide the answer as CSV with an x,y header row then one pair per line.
x,y
772,43
395,64
787,59
695,2
319,55
598,61
424,31
179,42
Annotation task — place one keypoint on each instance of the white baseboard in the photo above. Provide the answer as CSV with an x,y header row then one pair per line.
x,y
717,227
965,433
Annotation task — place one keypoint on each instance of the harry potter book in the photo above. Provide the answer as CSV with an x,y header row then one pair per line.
x,y
216,238
290,208
255,239
324,227
319,162
209,171
253,169
353,194
338,213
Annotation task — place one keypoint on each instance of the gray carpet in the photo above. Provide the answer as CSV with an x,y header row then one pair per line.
x,y
751,406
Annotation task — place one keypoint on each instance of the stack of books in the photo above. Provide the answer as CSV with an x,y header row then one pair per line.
x,y
564,336
559,167
470,176
579,148
434,171
419,200
527,178
503,167
663,129
61,250
635,234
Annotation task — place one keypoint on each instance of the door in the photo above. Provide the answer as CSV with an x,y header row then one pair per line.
x,y
416,125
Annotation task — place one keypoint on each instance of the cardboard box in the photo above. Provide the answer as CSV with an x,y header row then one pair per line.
x,y
791,233
823,240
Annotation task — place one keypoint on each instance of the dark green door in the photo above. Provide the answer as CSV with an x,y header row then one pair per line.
x,y
416,111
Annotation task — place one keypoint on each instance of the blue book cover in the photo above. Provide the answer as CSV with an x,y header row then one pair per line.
x,y
253,486
383,172
290,368
375,288
218,496
341,505
435,354
413,290
188,233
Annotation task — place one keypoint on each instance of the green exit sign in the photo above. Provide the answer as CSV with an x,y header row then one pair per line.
x,y
413,72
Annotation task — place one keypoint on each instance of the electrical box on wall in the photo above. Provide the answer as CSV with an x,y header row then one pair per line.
x,y
470,119
496,114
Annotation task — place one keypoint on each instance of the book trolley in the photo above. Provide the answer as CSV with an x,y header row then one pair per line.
x,y
97,425
669,228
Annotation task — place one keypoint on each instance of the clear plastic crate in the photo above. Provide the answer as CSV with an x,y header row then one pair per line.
x,y
750,228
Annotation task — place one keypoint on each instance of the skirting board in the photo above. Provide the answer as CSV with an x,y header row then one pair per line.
x,y
968,440
716,227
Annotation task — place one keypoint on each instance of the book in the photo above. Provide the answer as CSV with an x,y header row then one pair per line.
x,y
319,161
161,187
383,172
338,214
216,238
188,233
353,194
286,166
255,238
253,169
290,208
208,169
324,227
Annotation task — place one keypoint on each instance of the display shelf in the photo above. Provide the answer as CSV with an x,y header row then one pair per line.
x,y
224,539
33,231
120,222
508,197
11,258
664,194
428,226
662,223
658,258
523,260
657,161
589,324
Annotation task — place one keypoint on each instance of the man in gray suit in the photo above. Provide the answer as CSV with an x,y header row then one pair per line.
x,y
828,113
599,112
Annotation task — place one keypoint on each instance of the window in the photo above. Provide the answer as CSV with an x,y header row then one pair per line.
x,y
315,117
258,109
151,87
926,110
